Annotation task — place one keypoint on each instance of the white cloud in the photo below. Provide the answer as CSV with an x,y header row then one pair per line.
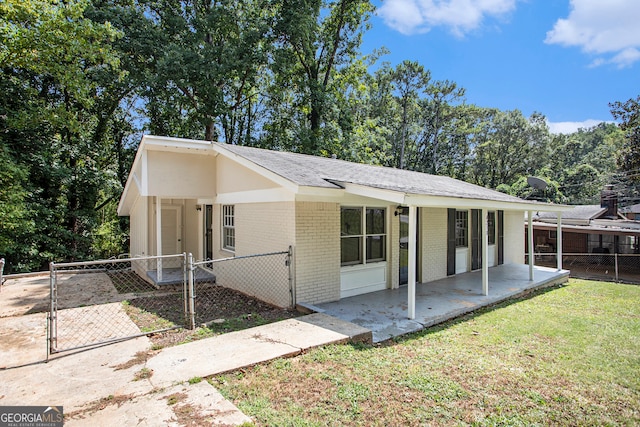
x,y
571,127
608,29
460,16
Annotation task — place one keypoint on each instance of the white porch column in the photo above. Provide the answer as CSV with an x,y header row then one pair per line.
x,y
530,243
485,252
411,285
159,237
559,241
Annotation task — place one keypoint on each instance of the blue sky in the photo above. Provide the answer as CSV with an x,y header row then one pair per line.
x,y
565,59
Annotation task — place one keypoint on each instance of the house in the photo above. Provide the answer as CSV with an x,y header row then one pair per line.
x,y
354,228
631,212
588,229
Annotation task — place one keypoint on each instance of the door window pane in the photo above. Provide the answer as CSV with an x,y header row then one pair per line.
x,y
462,229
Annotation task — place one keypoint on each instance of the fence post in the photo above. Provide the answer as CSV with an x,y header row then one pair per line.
x,y
292,291
185,287
616,263
52,324
192,294
1,272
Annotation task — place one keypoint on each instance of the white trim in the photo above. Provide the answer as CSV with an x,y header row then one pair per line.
x,y
413,244
374,193
471,203
356,279
159,237
559,241
530,243
256,196
485,255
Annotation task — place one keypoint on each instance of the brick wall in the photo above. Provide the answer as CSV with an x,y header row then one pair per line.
x,y
317,252
264,227
433,223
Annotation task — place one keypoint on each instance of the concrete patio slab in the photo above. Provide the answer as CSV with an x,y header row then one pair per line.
x,y
385,312
249,347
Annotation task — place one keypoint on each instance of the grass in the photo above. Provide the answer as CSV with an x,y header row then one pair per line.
x,y
565,356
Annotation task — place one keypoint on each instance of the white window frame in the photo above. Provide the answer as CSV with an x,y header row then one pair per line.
x,y
228,233
364,236
491,227
462,229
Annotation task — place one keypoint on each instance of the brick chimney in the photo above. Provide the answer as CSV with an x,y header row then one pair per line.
x,y
609,200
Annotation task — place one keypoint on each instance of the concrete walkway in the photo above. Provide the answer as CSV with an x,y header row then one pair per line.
x,y
127,384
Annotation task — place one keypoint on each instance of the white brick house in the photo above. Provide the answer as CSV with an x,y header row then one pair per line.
x,y
354,228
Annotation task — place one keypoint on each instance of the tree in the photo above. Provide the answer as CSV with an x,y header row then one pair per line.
x,y
410,81
50,57
204,70
511,146
315,38
628,160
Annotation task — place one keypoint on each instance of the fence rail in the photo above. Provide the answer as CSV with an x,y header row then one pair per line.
x,y
600,266
98,302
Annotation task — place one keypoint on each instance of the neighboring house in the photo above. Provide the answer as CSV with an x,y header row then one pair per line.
x,y
588,229
631,212
354,228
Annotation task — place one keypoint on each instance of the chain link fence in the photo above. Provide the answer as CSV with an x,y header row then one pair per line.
x,y
223,288
597,266
99,302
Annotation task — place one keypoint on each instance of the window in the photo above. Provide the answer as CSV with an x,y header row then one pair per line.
x,y
462,229
376,239
228,228
362,231
491,227
351,235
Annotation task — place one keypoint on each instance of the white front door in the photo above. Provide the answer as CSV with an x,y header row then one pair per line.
x,y
171,228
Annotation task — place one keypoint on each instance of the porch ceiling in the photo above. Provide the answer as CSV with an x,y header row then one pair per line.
x,y
385,312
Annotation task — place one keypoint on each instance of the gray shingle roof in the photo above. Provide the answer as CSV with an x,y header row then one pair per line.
x,y
314,171
582,212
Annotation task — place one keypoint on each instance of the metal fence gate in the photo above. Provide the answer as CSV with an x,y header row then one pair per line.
x,y
99,302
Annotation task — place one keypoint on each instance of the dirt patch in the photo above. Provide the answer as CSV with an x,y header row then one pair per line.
x,y
99,405
139,358
220,310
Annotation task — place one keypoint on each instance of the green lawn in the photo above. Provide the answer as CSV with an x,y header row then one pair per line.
x,y
564,356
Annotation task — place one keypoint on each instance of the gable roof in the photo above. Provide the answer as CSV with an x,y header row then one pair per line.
x,y
314,171
301,172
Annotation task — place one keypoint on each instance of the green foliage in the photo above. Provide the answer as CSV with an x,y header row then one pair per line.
x,y
629,114
628,158
81,78
53,62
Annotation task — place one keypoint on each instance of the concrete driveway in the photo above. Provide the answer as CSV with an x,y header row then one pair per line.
x,y
126,383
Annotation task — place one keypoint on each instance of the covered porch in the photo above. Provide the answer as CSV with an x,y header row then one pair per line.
x,y
385,312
